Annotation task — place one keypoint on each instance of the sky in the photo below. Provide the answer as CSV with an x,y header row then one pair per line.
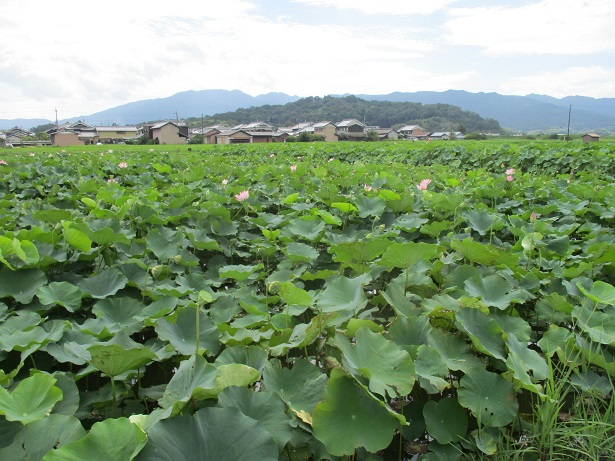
x,y
80,58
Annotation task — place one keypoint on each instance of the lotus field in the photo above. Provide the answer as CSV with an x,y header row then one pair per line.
x,y
385,301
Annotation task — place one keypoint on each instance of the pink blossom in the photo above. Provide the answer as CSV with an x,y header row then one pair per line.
x,y
111,180
31,154
272,155
293,168
533,217
122,165
2,162
243,195
224,182
510,171
331,159
510,178
423,184
367,188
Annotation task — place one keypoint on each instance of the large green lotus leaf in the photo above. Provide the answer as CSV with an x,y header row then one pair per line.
x,y
265,407
389,369
24,250
291,294
70,395
193,374
179,329
601,292
455,352
370,206
526,364
395,295
31,400
240,272
299,252
111,439
108,282
76,238
164,243
252,356
484,331
431,369
405,255
493,290
301,386
598,325
349,418
344,207
409,222
119,355
120,314
485,254
304,334
554,340
410,332
343,294
483,222
64,294
21,285
36,439
307,227
234,374
489,397
361,251
446,420
211,434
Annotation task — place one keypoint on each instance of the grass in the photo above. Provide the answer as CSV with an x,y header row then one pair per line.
x,y
566,424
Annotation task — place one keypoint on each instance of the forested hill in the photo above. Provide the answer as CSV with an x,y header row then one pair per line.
x,y
386,114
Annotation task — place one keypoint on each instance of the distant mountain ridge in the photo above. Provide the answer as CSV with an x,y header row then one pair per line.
x,y
524,113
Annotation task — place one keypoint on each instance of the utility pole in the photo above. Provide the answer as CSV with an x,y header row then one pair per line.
x,y
176,115
202,130
57,126
568,132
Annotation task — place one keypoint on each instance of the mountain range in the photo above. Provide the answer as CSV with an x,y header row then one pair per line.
x,y
530,113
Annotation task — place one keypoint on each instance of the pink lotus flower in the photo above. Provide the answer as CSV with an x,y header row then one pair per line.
x,y
533,216
2,162
510,171
510,178
224,182
367,188
243,195
293,168
423,184
272,155
122,165
111,180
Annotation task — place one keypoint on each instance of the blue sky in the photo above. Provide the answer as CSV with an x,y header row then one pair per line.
x,y
62,55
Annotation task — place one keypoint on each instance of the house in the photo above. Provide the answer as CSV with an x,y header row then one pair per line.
x,y
350,126
115,134
591,137
254,126
16,135
233,137
440,135
412,131
165,132
351,130
326,130
386,133
65,138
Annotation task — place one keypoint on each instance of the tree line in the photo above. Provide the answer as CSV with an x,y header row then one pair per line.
x,y
386,114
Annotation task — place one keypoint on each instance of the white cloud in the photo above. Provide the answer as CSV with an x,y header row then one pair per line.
x,y
386,7
594,81
560,27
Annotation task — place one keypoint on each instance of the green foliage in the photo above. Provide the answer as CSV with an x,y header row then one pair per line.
x,y
337,312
